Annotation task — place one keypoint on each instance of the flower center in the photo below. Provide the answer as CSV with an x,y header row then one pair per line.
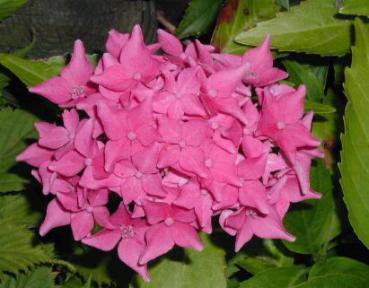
x,y
250,213
214,125
208,163
139,174
77,92
281,125
131,135
169,221
137,76
183,56
127,232
246,131
212,93
182,144
203,192
88,161
89,209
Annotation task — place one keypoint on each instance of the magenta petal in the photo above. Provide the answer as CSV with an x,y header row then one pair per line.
x,y
82,224
159,241
129,251
56,89
35,155
169,43
104,240
243,235
79,69
56,216
186,236
69,165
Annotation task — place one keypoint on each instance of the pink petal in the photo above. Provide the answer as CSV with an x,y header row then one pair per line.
x,y
159,241
35,156
79,69
69,165
56,90
186,236
104,240
129,252
169,43
56,216
82,224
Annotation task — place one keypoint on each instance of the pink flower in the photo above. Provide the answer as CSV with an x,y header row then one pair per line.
x,y
129,233
180,138
170,226
73,84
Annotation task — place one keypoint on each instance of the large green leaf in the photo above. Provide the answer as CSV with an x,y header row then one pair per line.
x,y
198,17
16,210
16,127
204,269
7,7
337,272
37,278
30,72
354,7
309,27
314,222
284,277
238,16
355,148
17,248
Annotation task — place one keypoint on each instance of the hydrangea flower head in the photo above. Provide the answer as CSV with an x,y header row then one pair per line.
x,y
180,135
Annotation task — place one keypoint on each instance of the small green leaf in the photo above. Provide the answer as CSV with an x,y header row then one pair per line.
x,y
37,278
7,7
319,108
30,72
354,165
314,222
313,77
283,277
233,19
310,27
199,16
17,248
17,126
284,3
337,272
354,7
205,269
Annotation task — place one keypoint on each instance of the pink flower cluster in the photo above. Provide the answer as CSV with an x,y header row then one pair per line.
x,y
180,134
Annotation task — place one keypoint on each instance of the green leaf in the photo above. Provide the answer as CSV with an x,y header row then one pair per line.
x,y
284,277
313,78
314,222
17,248
205,269
7,7
354,7
88,283
284,3
30,72
233,19
309,27
17,126
354,165
337,272
39,277
199,16
319,108
4,81
16,210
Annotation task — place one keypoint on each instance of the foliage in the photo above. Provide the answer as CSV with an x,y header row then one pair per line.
x,y
355,152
